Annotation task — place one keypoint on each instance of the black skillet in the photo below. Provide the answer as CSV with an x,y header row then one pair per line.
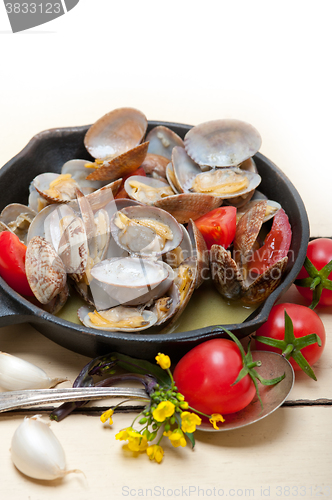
x,y
47,152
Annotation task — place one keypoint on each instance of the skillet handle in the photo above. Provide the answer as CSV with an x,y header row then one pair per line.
x,y
12,313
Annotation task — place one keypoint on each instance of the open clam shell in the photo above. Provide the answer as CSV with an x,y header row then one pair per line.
x,y
131,280
225,183
79,171
155,165
115,133
147,190
56,188
142,235
119,315
17,218
186,206
222,143
201,254
162,140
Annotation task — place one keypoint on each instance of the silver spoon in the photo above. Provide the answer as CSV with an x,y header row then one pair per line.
x,y
273,365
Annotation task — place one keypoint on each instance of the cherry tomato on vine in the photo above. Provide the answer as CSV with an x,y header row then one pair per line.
x,y
205,376
305,323
317,274
12,263
218,226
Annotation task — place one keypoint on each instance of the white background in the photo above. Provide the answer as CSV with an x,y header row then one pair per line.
x,y
268,63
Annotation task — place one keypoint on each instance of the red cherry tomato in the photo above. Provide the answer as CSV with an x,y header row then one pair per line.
x,y
218,226
12,263
205,376
305,321
276,244
319,253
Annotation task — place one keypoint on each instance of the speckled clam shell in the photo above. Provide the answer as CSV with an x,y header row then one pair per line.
x,y
225,273
44,269
115,133
187,206
174,298
253,181
153,213
201,253
222,143
172,181
73,247
248,228
155,165
162,140
272,205
149,182
148,316
121,165
56,304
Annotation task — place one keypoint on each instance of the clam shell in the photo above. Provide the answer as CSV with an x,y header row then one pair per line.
x,y
174,297
162,140
79,172
131,281
265,284
184,168
115,133
161,189
187,206
172,181
141,239
148,316
42,182
225,273
46,223
155,165
73,247
44,269
3,227
222,143
201,253
218,176
121,165
248,228
58,302
18,218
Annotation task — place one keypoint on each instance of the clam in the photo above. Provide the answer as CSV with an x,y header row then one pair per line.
x,y
222,143
131,280
45,270
147,190
225,183
120,166
186,206
162,140
18,218
119,319
272,207
56,188
115,133
79,170
146,230
234,278
155,165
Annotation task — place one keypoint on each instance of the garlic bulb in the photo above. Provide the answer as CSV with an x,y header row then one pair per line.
x,y
17,374
36,451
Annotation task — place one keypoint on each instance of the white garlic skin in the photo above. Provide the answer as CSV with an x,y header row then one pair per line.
x,y
36,451
17,374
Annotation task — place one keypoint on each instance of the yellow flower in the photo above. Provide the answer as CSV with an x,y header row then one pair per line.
x,y
189,421
164,410
136,441
177,438
122,435
155,452
184,405
216,417
163,360
107,415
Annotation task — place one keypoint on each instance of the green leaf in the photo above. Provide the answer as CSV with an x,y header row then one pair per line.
x,y
191,437
143,367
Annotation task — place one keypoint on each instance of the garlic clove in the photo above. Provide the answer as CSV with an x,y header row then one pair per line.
x,y
36,451
17,374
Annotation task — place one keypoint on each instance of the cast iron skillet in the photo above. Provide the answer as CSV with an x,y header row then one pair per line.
x,y
47,152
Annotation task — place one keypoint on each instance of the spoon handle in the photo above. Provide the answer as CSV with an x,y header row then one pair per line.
x,y
21,399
